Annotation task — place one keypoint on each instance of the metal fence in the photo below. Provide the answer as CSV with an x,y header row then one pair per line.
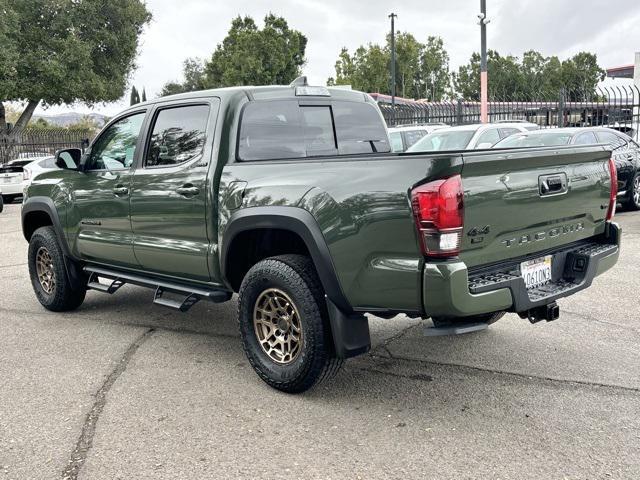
x,y
36,142
616,107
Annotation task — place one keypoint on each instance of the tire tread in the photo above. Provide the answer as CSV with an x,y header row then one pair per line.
x,y
323,365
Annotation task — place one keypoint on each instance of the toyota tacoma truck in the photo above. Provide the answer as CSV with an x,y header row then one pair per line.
x,y
290,197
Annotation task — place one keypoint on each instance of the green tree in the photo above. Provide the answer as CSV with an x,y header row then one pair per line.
x,y
273,55
408,53
39,123
535,77
434,70
422,70
249,55
345,69
193,78
86,123
135,97
580,76
66,51
144,95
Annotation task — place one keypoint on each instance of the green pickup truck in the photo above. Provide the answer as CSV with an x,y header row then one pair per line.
x,y
290,197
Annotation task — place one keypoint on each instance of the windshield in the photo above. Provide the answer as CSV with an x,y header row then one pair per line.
x,y
550,139
443,140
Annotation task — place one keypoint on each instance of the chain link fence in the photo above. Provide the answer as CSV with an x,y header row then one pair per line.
x,y
42,142
616,107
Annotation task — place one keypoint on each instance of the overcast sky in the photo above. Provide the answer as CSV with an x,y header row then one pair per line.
x,y
193,28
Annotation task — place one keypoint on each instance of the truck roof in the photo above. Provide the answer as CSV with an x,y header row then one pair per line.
x,y
270,92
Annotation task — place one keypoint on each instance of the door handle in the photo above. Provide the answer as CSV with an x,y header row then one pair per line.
x,y
120,190
188,190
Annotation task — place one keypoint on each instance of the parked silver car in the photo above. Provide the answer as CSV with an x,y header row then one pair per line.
x,y
405,136
469,137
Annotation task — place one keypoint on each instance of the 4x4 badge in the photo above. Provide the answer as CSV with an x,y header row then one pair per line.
x,y
475,231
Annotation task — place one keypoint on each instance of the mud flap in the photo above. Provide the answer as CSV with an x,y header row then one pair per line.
x,y
350,332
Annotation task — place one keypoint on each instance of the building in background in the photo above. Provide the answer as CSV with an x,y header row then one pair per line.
x,y
631,71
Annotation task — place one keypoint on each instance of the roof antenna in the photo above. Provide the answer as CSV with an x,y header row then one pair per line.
x,y
299,82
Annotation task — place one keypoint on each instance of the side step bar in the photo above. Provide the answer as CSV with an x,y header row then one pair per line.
x,y
455,329
190,294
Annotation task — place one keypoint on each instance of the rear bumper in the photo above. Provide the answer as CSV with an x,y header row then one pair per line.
x,y
451,290
12,188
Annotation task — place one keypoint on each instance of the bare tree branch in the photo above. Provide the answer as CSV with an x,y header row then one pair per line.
x,y
25,116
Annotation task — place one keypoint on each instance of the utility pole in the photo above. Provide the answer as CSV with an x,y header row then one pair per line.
x,y
484,111
393,69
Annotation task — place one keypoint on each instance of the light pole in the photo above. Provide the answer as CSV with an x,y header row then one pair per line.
x,y
393,69
484,111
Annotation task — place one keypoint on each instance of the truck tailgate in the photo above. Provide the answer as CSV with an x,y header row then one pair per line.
x,y
517,203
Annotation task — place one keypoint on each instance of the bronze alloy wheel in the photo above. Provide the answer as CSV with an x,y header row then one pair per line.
x,y
277,326
44,269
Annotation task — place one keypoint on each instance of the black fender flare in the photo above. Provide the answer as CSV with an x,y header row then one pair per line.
x,y
298,221
46,205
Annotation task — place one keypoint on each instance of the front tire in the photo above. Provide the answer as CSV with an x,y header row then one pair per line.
x,y
284,325
48,274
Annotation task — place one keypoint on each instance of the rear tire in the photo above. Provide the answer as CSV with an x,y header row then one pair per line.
x,y
1,204
633,202
284,324
9,198
48,274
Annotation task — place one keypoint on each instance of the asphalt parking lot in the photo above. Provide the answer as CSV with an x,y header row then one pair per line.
x,y
123,389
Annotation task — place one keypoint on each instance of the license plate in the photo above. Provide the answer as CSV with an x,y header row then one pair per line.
x,y
536,272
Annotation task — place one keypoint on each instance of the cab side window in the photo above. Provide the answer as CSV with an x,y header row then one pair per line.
x,y
178,135
396,142
491,136
587,138
115,149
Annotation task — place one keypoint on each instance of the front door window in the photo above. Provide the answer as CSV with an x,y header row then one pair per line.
x,y
115,149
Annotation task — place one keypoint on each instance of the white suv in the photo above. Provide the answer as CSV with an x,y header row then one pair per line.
x,y
16,175
470,137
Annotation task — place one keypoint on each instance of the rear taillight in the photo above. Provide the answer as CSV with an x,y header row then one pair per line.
x,y
26,174
438,212
614,189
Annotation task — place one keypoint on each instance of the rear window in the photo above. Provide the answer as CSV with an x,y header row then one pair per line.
x,y
539,140
11,169
615,141
284,130
360,128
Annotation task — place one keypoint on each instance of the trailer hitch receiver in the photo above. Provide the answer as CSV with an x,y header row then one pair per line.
x,y
547,312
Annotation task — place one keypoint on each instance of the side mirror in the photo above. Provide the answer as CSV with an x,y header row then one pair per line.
x,y
68,159
484,145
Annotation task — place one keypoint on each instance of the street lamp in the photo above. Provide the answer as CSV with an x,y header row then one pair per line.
x,y
393,69
484,111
